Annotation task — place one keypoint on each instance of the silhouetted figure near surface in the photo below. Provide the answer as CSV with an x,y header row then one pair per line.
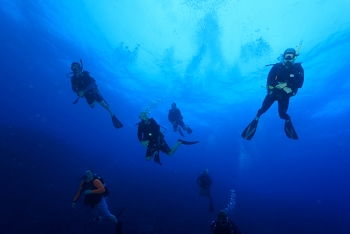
x,y
85,86
223,225
283,82
176,119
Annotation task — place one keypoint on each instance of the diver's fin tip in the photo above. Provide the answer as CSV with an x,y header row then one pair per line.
x,y
189,130
290,131
187,142
250,130
117,124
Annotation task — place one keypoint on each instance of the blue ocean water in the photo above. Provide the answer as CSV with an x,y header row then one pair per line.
x,y
204,55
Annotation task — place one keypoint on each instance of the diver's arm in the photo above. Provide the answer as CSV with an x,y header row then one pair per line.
x,y
139,132
272,76
99,186
139,136
77,195
74,85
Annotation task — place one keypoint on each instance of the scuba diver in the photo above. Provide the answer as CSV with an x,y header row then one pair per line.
x,y
150,136
283,82
95,191
223,225
84,85
175,118
204,182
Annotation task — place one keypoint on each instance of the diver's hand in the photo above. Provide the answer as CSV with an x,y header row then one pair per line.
x,y
144,143
287,89
281,85
81,93
73,204
88,192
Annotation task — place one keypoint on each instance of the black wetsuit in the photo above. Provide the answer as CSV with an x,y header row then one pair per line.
x,y
84,82
151,132
228,228
175,115
293,76
204,181
93,198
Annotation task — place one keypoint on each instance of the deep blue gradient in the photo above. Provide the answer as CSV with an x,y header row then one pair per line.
x,y
204,55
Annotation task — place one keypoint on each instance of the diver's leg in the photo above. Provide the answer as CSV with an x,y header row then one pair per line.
x,y
113,219
208,192
106,106
92,105
175,127
283,105
90,99
105,212
150,152
98,97
267,103
201,191
174,148
182,124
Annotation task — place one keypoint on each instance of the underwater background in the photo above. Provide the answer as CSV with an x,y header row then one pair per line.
x,y
207,57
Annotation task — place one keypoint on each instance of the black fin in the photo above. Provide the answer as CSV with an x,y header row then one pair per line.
x,y
116,122
120,212
289,130
76,100
189,130
157,158
180,131
249,131
188,142
119,228
211,207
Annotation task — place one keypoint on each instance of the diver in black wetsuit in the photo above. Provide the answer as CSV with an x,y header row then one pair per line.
x,y
150,136
95,191
85,86
283,82
176,119
223,225
204,182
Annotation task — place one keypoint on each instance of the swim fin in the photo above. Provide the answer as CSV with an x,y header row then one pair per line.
x,y
189,130
120,224
188,142
249,131
116,122
289,130
157,158
119,228
211,207
180,131
120,212
76,100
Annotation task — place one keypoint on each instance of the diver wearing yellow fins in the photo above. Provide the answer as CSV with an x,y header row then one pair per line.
x,y
283,82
